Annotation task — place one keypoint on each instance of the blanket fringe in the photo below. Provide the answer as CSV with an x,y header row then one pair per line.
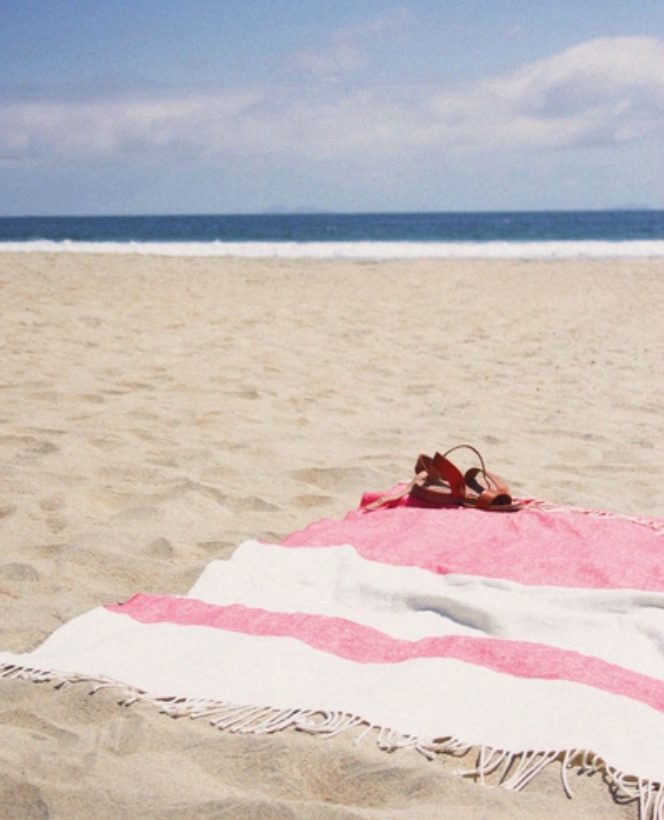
x,y
548,506
510,770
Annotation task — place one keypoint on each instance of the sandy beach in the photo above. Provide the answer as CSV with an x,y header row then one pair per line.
x,y
156,412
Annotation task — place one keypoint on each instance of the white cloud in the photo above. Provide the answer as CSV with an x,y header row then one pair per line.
x,y
605,91
349,49
106,127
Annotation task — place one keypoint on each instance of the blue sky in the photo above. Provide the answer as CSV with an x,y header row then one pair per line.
x,y
244,106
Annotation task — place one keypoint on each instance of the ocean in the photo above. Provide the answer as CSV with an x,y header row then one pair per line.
x,y
510,235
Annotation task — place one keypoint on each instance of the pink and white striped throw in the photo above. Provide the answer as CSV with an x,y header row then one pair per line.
x,y
534,636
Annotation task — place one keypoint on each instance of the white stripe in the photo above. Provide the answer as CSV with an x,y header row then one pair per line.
x,y
624,627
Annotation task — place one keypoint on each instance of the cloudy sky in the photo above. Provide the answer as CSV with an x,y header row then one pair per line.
x,y
243,106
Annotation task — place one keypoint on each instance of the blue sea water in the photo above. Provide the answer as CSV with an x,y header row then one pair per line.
x,y
541,234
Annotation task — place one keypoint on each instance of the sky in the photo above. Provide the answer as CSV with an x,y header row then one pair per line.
x,y
254,106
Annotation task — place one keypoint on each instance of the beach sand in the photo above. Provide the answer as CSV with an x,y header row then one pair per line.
x,y
156,412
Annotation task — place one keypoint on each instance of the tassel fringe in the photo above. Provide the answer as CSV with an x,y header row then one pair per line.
x,y
508,769
548,506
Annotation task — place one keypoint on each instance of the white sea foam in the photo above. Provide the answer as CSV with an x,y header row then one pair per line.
x,y
587,249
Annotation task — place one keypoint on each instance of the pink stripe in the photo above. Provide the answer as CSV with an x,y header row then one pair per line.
x,y
364,644
529,546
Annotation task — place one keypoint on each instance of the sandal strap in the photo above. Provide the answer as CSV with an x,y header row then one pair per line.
x,y
450,474
491,498
467,447
494,482
388,499
496,493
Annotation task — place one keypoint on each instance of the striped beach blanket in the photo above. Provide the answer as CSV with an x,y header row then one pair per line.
x,y
528,637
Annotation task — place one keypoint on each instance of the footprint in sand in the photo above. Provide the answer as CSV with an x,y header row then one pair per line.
x,y
18,572
21,800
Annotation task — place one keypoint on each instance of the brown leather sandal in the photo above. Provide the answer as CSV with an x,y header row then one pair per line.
x,y
438,481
